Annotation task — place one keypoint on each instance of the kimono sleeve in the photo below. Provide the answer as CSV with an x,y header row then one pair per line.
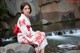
x,y
22,27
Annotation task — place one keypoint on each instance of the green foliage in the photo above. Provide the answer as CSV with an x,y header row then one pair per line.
x,y
4,14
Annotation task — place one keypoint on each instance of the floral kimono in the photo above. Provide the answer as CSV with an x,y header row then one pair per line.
x,y
27,35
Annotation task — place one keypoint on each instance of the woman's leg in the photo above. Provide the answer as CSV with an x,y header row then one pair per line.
x,y
37,51
43,50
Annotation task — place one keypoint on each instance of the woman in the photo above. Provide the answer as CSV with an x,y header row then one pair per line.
x,y
26,34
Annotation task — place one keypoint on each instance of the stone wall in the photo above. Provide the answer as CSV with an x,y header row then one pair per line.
x,y
51,10
54,10
77,10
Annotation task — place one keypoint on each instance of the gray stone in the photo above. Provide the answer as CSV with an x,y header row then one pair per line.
x,y
73,51
17,48
44,21
2,49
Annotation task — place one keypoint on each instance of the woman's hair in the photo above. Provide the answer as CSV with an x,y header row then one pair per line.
x,y
23,5
18,15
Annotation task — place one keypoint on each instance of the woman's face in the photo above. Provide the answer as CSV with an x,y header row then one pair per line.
x,y
26,10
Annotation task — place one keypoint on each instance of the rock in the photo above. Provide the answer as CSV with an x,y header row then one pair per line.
x,y
73,51
17,48
44,21
78,46
2,49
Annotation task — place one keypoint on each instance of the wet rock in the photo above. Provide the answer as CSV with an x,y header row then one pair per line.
x,y
49,34
71,32
60,33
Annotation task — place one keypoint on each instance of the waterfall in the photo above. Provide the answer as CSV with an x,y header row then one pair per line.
x,y
60,35
55,37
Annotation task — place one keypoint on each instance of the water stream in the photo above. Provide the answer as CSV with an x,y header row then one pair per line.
x,y
62,37
65,33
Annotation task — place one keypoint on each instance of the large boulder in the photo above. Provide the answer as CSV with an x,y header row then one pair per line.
x,y
17,48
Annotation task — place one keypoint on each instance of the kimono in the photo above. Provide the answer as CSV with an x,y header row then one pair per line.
x,y
27,35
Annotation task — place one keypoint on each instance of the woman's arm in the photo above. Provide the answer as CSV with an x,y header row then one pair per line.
x,y
23,27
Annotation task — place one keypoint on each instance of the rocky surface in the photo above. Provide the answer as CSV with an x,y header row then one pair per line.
x,y
17,48
73,51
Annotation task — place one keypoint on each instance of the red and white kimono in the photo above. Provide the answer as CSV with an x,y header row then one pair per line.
x,y
27,35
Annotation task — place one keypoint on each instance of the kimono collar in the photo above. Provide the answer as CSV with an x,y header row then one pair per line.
x,y
24,16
